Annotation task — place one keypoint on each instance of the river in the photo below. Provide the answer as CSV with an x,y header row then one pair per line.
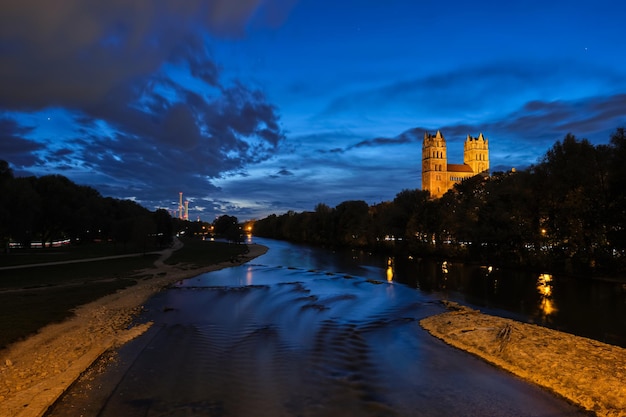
x,y
298,331
585,307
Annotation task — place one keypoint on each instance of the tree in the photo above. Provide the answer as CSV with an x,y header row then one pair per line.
x,y
23,210
617,185
228,227
352,222
573,188
6,178
164,227
6,173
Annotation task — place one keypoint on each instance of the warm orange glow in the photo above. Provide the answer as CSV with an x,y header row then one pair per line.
x,y
248,226
544,287
545,290
547,307
249,275
389,269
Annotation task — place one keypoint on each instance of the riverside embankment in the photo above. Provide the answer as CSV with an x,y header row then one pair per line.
x,y
36,371
588,373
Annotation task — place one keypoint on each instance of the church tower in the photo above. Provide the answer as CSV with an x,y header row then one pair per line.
x,y
434,164
476,153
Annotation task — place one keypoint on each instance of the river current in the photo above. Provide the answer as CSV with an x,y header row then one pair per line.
x,y
298,332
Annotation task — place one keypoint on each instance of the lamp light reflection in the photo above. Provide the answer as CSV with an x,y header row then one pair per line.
x,y
390,269
544,287
249,273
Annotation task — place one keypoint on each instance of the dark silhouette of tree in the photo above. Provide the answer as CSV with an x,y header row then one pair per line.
x,y
567,211
322,224
6,173
23,208
164,227
228,228
352,222
573,188
616,216
52,207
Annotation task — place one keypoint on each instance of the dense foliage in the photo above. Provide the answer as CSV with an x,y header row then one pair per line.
x,y
566,212
52,208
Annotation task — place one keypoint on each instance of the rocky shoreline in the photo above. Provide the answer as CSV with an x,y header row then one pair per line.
x,y
586,372
36,371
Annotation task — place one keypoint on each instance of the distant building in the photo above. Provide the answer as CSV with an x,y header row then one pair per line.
x,y
438,176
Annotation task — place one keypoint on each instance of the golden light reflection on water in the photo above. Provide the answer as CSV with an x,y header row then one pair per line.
x,y
249,275
544,287
389,269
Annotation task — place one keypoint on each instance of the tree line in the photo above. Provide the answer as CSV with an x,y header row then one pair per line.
x,y
566,212
52,208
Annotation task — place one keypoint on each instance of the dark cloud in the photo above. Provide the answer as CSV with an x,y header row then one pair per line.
x,y
143,133
409,136
520,138
73,52
283,172
474,90
179,127
14,148
179,145
541,121
61,156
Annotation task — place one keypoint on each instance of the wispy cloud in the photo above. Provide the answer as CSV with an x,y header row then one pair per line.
x,y
470,92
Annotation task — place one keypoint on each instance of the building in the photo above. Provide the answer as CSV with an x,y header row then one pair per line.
x,y
438,176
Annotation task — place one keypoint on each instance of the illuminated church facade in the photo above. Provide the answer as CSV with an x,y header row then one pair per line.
x,y
438,176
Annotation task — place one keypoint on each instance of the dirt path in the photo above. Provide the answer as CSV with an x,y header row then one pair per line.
x,y
586,372
76,261
36,371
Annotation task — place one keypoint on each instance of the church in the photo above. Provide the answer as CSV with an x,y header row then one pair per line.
x,y
438,176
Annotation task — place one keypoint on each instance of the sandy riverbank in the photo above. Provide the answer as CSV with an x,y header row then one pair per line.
x,y
586,372
36,371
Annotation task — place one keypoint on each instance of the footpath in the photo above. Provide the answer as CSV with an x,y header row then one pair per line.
x,y
36,371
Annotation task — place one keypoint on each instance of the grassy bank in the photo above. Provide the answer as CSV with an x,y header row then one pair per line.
x,y
33,297
66,253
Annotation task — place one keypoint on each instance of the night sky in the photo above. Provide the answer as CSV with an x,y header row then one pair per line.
x,y
252,107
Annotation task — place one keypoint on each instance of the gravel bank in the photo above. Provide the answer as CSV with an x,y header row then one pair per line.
x,y
36,371
586,372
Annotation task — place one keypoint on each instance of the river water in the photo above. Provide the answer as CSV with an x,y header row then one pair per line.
x,y
585,307
298,332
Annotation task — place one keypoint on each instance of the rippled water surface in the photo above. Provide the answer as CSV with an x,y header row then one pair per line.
x,y
292,335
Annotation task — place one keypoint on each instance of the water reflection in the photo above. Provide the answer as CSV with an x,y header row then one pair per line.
x,y
508,292
268,339
586,307
249,275
544,287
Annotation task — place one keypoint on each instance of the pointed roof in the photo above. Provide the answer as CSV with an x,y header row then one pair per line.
x,y
437,136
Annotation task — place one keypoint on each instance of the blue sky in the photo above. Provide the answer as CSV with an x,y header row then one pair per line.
x,y
252,107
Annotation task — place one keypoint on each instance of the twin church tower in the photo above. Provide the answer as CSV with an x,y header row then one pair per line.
x,y
438,176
